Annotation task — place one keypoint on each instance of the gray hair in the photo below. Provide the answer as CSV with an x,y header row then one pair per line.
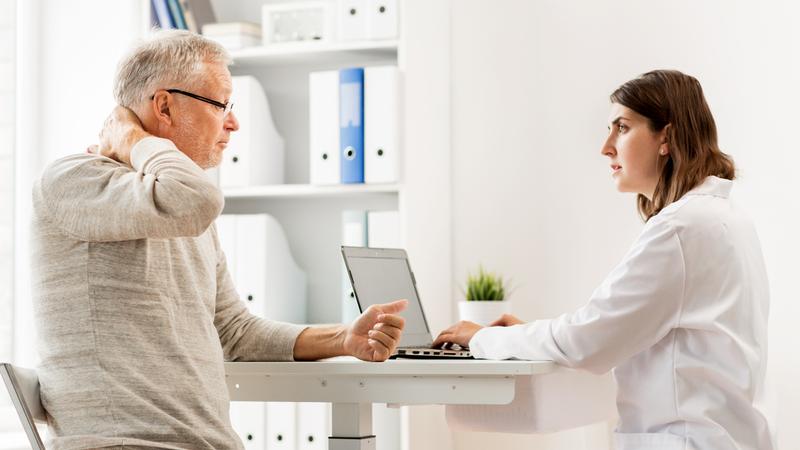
x,y
166,59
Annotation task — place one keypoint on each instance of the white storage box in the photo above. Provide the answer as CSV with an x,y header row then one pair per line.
x,y
234,35
298,22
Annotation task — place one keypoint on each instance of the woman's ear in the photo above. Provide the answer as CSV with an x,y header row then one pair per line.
x,y
663,148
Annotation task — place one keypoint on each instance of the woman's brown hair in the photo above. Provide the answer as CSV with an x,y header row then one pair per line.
x,y
669,97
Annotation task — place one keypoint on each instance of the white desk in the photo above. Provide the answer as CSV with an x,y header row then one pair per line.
x,y
351,386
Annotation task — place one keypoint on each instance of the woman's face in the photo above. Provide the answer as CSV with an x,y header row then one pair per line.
x,y
633,150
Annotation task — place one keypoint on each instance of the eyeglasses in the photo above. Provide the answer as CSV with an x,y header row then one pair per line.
x,y
225,107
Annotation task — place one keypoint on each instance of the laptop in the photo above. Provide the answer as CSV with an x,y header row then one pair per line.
x,y
381,275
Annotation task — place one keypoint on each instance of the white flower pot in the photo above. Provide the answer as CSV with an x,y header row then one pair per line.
x,y
483,312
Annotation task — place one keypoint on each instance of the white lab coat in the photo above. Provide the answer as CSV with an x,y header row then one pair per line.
x,y
682,320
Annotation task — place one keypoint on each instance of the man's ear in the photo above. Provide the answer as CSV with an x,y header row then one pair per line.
x,y
161,104
663,148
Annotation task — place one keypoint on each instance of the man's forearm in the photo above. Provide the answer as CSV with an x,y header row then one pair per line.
x,y
320,342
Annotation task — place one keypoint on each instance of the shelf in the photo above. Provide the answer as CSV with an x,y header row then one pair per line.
x,y
286,191
314,53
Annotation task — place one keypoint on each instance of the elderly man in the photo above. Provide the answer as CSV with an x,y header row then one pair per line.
x,y
135,308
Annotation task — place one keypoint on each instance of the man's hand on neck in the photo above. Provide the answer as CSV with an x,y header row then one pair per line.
x,y
121,131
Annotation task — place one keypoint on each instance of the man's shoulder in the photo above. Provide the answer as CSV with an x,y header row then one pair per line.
x,y
76,161
68,175
73,168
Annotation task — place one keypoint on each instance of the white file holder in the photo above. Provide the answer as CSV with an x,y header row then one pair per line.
x,y
546,403
263,269
323,137
382,17
313,426
249,422
352,19
255,153
267,267
281,426
381,124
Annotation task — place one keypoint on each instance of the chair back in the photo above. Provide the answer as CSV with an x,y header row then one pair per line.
x,y
23,388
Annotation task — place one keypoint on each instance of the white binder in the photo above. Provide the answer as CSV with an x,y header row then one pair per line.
x,y
255,153
226,232
381,124
323,138
281,426
268,278
384,229
354,233
382,17
262,266
386,426
313,426
251,263
352,19
248,420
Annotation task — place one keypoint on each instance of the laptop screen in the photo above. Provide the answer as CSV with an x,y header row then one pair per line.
x,y
383,276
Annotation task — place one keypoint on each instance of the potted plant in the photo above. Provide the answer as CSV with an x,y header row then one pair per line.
x,y
485,298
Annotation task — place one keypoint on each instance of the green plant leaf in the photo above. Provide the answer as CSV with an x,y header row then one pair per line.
x,y
485,286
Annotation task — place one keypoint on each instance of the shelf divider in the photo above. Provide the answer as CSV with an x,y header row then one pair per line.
x,y
309,191
313,52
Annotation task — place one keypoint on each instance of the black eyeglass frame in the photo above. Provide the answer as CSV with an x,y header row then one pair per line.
x,y
226,107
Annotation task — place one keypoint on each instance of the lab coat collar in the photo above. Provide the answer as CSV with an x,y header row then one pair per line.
x,y
718,187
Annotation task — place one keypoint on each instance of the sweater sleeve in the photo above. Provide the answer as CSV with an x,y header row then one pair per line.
x,y
163,195
635,307
244,336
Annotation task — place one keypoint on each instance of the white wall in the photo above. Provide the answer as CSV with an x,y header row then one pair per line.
x,y
76,54
426,197
7,124
532,196
64,48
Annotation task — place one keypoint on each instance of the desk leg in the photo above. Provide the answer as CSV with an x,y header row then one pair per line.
x,y
351,425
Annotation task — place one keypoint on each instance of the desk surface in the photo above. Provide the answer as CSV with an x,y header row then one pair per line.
x,y
405,367
405,381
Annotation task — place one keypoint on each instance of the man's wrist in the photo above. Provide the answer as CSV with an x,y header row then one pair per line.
x,y
131,139
320,342
341,338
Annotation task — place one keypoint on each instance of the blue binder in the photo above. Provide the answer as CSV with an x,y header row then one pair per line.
x,y
351,124
161,8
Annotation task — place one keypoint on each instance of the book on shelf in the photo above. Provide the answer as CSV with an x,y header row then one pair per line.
x,y
182,14
162,14
177,14
197,14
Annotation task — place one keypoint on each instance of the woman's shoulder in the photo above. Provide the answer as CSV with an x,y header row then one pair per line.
x,y
704,210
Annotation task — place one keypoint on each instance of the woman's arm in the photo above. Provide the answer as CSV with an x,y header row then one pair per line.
x,y
635,307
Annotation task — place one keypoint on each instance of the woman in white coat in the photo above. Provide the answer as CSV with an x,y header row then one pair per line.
x,y
682,320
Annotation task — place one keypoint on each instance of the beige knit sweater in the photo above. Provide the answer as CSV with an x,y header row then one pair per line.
x,y
135,309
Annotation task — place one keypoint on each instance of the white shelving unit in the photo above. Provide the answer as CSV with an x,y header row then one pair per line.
x,y
314,53
308,191
311,215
